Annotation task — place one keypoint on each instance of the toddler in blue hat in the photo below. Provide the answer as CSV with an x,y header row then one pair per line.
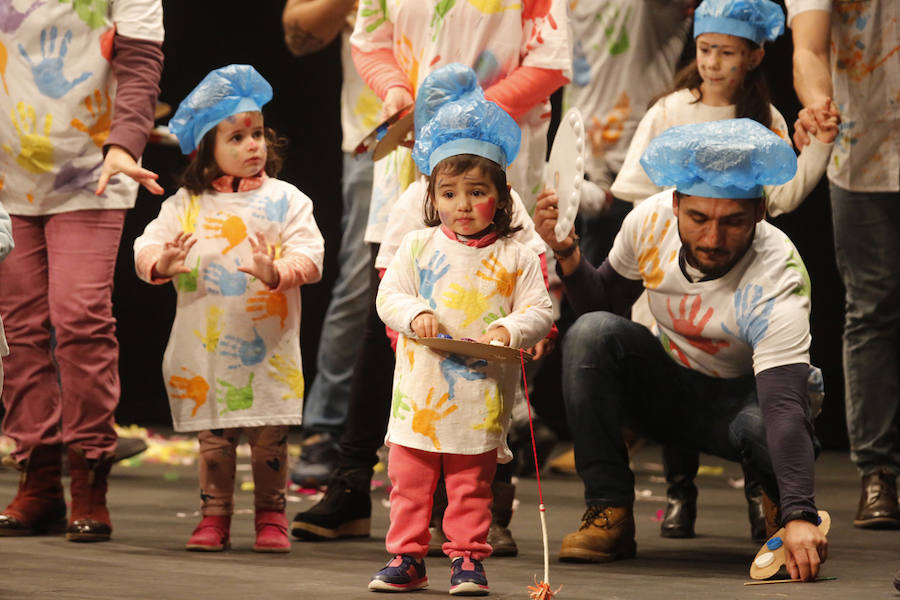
x,y
463,277
237,244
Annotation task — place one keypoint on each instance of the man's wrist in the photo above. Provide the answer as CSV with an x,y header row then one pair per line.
x,y
810,516
568,251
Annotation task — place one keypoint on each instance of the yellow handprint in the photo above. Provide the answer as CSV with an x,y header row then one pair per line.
x,y
231,228
648,258
36,150
471,301
424,418
269,304
490,7
494,404
99,129
287,373
194,389
496,272
188,218
210,339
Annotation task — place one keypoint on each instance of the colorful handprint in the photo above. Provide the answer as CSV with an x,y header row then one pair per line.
x,y
397,403
268,303
751,327
471,301
496,272
4,59
231,228
289,374
425,418
192,388
692,330
379,9
431,274
455,366
228,283
35,150
210,337
235,398
101,118
673,349
92,12
490,7
188,217
48,74
248,352
71,178
648,257
187,282
271,210
796,263
493,401
10,18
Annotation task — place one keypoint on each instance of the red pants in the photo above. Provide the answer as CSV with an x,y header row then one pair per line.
x,y
60,274
414,475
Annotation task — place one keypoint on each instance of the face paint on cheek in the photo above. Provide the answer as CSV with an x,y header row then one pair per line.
x,y
445,217
486,209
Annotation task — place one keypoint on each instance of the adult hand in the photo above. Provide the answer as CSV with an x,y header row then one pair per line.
x,y
171,261
820,119
263,267
542,348
397,98
805,549
546,212
118,160
425,324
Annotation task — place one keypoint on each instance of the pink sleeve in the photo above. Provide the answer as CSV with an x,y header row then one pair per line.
x,y
524,88
294,271
136,65
146,260
380,71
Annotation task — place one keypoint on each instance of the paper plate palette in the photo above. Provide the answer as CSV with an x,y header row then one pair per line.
x,y
565,170
372,140
474,349
770,558
398,133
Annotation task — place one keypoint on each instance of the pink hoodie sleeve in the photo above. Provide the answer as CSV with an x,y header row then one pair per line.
x,y
524,88
380,71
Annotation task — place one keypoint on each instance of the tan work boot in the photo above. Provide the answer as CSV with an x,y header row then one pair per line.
x,y
606,534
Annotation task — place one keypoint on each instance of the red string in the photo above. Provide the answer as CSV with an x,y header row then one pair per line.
x,y
537,470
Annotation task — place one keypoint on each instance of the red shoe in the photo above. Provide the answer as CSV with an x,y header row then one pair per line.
x,y
211,535
271,532
39,506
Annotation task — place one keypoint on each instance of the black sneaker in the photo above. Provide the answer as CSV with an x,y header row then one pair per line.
x,y
318,456
345,511
402,574
467,577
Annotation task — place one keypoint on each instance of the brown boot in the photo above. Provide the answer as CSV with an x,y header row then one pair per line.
x,y
89,521
606,534
878,503
772,515
499,536
39,506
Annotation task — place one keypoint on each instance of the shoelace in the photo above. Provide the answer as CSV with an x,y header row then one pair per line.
x,y
592,514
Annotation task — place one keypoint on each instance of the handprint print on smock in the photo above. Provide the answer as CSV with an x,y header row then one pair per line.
x,y
648,259
230,228
209,337
193,388
268,303
455,367
426,417
687,325
35,149
430,275
271,209
752,322
249,352
92,12
48,73
235,398
289,374
494,271
469,300
11,19
493,404
225,282
101,118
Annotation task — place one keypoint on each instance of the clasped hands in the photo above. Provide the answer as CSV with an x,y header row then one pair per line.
x,y
819,119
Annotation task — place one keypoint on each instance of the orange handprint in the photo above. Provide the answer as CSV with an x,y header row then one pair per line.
x,y
469,301
4,57
194,389
693,332
35,150
648,257
102,118
424,418
231,228
506,281
269,304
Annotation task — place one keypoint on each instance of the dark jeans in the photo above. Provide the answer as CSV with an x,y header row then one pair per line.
x,y
617,373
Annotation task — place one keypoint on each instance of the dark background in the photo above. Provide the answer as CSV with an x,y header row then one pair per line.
x,y
204,35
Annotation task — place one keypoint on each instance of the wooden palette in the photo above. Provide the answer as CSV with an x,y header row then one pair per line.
x,y
770,558
474,349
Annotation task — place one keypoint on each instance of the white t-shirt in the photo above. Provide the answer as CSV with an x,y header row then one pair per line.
x,y
753,318
680,108
444,402
865,72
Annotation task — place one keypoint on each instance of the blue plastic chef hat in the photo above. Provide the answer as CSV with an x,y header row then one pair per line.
x,y
224,92
734,158
452,117
757,20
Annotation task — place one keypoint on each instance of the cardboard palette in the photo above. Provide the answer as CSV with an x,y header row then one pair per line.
x,y
474,349
770,558
398,133
376,135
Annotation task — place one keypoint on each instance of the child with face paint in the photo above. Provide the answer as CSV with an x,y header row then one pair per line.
x,y
725,82
465,277
237,244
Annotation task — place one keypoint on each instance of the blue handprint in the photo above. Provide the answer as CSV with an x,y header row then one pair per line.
x,y
10,18
455,366
430,275
751,328
271,210
249,352
48,73
230,283
581,68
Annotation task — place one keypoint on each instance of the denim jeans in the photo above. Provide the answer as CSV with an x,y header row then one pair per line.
x,y
325,406
867,247
616,373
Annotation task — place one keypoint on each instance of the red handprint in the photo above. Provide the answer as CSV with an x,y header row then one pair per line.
x,y
692,331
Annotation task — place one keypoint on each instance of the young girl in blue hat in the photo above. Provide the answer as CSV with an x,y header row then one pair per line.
x,y
466,278
237,244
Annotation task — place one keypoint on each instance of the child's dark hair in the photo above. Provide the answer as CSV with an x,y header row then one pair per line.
x,y
752,99
202,170
461,163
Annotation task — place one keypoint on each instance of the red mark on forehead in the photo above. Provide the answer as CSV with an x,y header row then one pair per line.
x,y
486,209
248,122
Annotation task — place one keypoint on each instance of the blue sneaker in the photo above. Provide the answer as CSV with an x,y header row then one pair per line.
x,y
467,577
402,574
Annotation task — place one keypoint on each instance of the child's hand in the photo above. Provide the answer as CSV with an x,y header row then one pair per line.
x,y
171,261
498,333
425,325
820,120
263,267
